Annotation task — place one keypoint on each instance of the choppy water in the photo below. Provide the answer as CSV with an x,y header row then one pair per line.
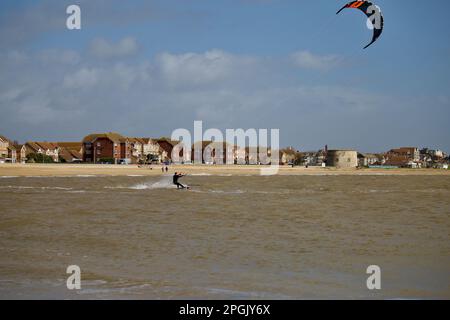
x,y
284,237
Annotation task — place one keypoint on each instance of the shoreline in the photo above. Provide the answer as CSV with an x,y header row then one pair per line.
x,y
24,170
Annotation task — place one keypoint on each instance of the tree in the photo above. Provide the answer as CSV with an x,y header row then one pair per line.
x,y
39,158
152,158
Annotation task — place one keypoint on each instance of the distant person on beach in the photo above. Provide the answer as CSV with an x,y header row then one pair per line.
x,y
162,169
177,176
167,169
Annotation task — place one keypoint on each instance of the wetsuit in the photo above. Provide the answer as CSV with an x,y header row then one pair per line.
x,y
175,181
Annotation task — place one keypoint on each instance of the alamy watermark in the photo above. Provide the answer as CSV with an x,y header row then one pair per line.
x,y
374,280
73,22
214,147
374,19
74,280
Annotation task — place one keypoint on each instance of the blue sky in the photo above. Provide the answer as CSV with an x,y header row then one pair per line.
x,y
292,65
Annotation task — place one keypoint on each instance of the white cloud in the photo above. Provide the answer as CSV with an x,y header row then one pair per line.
x,y
59,56
201,68
308,60
225,90
85,77
102,48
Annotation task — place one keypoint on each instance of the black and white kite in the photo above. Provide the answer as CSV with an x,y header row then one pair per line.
x,y
373,12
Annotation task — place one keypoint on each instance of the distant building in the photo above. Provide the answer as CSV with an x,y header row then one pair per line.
x,y
7,150
12,154
252,155
259,155
70,152
4,144
314,158
145,149
21,153
210,152
50,149
370,159
309,158
434,154
403,157
342,158
288,155
106,147
150,147
136,145
166,147
72,146
239,155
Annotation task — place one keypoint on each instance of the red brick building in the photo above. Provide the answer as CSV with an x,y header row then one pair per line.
x,y
106,147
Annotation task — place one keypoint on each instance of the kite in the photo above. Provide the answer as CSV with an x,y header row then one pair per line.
x,y
373,12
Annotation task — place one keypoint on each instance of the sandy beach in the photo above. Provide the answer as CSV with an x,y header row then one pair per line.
x,y
21,170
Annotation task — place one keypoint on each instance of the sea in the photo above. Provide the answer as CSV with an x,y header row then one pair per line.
x,y
228,237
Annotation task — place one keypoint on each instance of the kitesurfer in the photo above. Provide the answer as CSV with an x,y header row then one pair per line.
x,y
177,176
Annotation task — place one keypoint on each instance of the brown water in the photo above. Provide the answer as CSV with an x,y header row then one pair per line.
x,y
242,237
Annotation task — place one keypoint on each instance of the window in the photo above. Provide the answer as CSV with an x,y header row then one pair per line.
x,y
99,144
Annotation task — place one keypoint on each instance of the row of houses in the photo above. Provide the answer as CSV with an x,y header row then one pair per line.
x,y
12,151
94,148
115,148
112,147
404,157
415,158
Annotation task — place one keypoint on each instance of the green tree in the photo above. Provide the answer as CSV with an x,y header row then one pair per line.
x,y
106,160
151,158
39,158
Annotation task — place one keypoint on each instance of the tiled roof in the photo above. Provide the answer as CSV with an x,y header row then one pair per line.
x,y
69,155
18,146
33,145
5,139
113,136
36,145
149,140
70,145
172,142
47,145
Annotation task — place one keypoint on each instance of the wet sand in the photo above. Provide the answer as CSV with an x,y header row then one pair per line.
x,y
21,170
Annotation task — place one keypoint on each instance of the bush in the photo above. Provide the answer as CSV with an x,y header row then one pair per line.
x,y
39,158
106,160
151,158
